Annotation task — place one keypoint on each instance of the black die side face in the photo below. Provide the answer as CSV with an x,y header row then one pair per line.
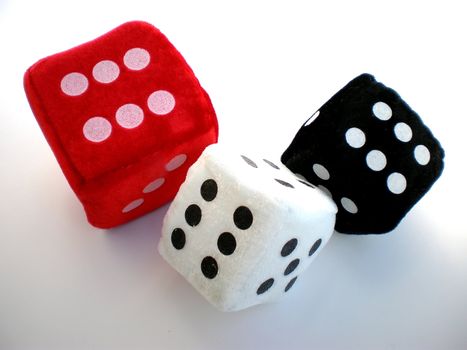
x,y
371,151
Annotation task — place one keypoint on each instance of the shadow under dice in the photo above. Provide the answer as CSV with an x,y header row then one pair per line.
x,y
125,117
242,229
369,150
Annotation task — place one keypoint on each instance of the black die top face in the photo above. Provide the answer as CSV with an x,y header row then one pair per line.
x,y
371,151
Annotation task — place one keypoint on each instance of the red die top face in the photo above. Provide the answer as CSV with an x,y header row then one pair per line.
x,y
117,99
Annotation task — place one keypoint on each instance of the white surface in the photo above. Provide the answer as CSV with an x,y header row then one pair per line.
x,y
267,67
278,213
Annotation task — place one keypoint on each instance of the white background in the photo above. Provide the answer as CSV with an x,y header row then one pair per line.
x,y
267,66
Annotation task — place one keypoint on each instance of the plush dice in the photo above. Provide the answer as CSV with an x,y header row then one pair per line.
x,y
125,117
371,151
242,228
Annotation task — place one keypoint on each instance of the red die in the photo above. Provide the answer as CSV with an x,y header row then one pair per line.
x,y
125,117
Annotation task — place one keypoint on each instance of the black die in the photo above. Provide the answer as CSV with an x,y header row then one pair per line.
x,y
371,151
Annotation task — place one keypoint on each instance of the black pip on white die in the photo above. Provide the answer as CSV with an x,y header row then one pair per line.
x,y
371,152
242,218
242,228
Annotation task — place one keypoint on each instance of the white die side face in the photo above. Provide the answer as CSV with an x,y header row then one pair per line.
x,y
241,230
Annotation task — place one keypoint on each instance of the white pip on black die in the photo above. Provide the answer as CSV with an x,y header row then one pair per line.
x,y
371,152
242,229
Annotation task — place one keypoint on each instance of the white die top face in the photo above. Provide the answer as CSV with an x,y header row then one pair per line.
x,y
234,234
268,178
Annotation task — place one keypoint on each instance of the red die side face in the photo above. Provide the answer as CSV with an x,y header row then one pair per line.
x,y
125,117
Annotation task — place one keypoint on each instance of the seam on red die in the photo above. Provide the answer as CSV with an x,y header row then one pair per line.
x,y
205,103
52,138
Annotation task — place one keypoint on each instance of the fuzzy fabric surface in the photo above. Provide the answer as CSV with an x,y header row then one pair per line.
x,y
371,152
125,117
243,228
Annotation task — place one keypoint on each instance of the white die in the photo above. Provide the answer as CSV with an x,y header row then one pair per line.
x,y
241,229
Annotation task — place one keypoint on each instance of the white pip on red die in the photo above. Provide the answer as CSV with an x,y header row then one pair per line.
x,y
125,117
242,229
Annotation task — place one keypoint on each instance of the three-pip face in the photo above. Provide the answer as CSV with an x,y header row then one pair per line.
x,y
125,117
371,152
242,228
